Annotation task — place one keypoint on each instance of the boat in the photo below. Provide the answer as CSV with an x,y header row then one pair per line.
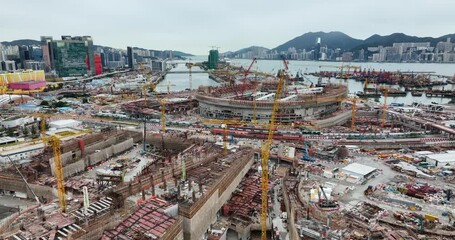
x,y
368,94
395,92
417,93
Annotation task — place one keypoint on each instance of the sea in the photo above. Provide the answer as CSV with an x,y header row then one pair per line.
x,y
181,81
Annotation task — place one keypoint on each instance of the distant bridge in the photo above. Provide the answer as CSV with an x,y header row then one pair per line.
x,y
186,72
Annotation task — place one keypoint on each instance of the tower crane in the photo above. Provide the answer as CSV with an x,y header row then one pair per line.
x,y
265,154
384,107
245,75
354,111
55,143
190,65
342,67
224,124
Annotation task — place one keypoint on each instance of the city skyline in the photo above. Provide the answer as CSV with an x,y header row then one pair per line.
x,y
195,26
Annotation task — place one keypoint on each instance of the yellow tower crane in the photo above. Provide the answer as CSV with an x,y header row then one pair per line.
x,y
354,111
384,107
224,125
55,143
265,154
163,115
190,65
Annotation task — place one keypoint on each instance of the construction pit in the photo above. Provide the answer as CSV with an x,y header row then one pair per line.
x,y
195,175
181,184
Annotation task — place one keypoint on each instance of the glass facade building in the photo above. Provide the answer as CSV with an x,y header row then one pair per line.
x,y
70,56
213,59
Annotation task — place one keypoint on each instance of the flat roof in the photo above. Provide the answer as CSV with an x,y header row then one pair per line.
x,y
359,168
442,157
7,139
423,152
64,122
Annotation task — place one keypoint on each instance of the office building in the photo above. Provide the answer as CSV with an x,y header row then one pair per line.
x,y
129,51
213,59
47,55
74,56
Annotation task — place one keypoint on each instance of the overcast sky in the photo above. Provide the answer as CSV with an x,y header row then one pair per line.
x,y
195,25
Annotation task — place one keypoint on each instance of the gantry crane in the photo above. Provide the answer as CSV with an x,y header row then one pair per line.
x,y
265,154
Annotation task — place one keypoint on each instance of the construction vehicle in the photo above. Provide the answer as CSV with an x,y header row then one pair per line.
x,y
326,202
307,157
265,153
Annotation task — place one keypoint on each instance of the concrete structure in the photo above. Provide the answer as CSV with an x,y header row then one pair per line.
x,y
21,76
28,85
200,214
8,65
70,56
16,121
66,123
130,57
7,140
153,220
220,103
158,65
358,172
213,59
441,159
22,153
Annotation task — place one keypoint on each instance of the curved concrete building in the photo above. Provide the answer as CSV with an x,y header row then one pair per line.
x,y
299,104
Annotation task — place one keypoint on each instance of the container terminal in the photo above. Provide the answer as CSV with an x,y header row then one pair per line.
x,y
260,156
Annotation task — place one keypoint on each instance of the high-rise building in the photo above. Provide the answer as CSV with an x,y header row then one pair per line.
x,y
46,46
129,53
70,55
213,59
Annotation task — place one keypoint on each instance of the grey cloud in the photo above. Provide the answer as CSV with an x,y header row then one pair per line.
x,y
193,26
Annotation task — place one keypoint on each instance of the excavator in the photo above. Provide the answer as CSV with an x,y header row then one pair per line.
x,y
326,203
307,157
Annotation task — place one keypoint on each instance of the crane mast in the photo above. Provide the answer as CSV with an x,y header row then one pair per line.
x,y
246,75
354,110
266,153
384,108
55,143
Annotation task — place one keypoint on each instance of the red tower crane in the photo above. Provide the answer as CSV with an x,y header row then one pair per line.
x,y
245,73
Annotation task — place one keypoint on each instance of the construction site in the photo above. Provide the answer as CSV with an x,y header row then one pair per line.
x,y
263,157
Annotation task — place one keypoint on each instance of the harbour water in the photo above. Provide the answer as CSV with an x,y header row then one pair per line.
x,y
271,66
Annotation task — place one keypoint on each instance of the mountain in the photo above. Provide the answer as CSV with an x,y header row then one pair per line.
x,y
388,40
254,49
21,42
181,54
28,42
331,39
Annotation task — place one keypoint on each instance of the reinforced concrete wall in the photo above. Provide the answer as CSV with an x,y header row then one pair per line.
x,y
170,142
94,158
290,209
197,225
18,185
